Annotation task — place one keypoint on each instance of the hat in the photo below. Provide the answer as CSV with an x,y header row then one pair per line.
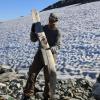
x,y
53,17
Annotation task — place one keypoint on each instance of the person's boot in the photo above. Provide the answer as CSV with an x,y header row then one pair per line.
x,y
27,97
46,96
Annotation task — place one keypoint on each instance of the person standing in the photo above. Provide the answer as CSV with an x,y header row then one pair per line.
x,y
53,37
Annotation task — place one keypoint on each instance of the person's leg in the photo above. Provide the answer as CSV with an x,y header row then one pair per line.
x,y
34,69
50,82
47,84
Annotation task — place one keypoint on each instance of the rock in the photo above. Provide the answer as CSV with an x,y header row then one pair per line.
x,y
2,71
2,98
6,97
39,95
2,85
5,66
73,99
57,96
7,76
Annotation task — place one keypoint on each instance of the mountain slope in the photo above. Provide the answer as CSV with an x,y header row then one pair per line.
x,y
63,3
80,49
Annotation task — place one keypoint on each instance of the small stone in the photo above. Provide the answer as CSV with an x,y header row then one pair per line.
x,y
39,95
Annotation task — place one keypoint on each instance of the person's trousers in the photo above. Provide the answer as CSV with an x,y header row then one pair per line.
x,y
34,69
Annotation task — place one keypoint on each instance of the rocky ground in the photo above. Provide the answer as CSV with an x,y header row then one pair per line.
x,y
12,83
80,49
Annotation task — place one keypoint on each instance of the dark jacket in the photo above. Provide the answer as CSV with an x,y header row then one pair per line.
x,y
52,35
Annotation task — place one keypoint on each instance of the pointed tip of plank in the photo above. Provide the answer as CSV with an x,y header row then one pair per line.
x,y
34,10
35,15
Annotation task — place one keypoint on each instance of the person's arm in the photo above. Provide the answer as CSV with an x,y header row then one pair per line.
x,y
55,48
58,39
33,35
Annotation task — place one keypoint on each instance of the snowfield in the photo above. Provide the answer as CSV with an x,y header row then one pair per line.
x,y
80,49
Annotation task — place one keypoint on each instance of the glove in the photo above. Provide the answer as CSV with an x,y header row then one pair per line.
x,y
53,50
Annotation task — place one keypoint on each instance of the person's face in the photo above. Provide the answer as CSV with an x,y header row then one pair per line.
x,y
52,23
